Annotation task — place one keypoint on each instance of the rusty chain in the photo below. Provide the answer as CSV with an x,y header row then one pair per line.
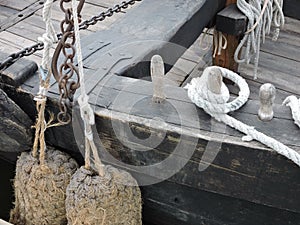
x,y
12,58
65,72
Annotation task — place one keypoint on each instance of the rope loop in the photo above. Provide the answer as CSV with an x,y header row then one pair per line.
x,y
222,107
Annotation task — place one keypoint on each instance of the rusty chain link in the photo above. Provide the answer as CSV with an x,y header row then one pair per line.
x,y
12,58
65,72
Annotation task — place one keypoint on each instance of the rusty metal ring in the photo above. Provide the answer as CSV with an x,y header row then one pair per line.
x,y
64,118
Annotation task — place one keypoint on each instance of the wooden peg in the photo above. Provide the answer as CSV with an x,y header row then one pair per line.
x,y
157,75
215,80
266,96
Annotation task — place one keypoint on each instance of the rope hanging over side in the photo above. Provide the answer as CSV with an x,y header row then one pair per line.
x,y
216,105
101,197
48,38
261,15
86,111
40,183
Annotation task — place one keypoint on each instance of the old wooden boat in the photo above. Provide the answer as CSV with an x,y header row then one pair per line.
x,y
244,183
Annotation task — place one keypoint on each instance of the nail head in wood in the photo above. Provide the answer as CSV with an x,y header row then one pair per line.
x,y
267,94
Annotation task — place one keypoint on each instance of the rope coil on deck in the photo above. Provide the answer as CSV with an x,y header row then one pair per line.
x,y
108,196
216,106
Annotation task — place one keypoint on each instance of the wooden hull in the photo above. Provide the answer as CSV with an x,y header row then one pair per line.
x,y
246,183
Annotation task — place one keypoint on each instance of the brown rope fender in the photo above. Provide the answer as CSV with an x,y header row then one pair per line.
x,y
41,179
108,195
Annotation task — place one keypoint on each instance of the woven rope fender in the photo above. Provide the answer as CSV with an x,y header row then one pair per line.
x,y
105,195
99,200
40,189
215,104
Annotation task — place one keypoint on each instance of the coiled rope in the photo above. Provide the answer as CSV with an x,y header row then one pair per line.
x,y
261,15
216,105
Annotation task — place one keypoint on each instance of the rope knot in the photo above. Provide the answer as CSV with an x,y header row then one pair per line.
x,y
210,93
41,95
87,115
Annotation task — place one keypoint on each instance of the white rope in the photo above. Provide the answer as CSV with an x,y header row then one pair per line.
x,y
86,111
261,15
217,106
294,104
48,38
220,43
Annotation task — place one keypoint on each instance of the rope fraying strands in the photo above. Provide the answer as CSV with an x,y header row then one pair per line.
x,y
40,182
214,102
105,195
262,15
294,104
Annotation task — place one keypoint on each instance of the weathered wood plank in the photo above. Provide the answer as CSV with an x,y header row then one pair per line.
x,y
186,206
15,127
18,5
281,80
282,48
291,25
88,11
26,12
18,72
6,12
10,47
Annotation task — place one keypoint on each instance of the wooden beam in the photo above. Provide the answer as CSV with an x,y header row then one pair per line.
x,y
291,8
15,128
23,14
17,73
232,23
263,176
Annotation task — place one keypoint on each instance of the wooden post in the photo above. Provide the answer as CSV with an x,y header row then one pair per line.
x,y
157,75
232,23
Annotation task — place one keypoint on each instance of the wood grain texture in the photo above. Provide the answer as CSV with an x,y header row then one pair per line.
x,y
15,127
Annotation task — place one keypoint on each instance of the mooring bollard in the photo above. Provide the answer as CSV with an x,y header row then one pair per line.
x,y
266,97
157,75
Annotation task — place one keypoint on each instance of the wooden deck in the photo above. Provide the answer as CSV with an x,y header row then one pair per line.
x,y
21,22
246,184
